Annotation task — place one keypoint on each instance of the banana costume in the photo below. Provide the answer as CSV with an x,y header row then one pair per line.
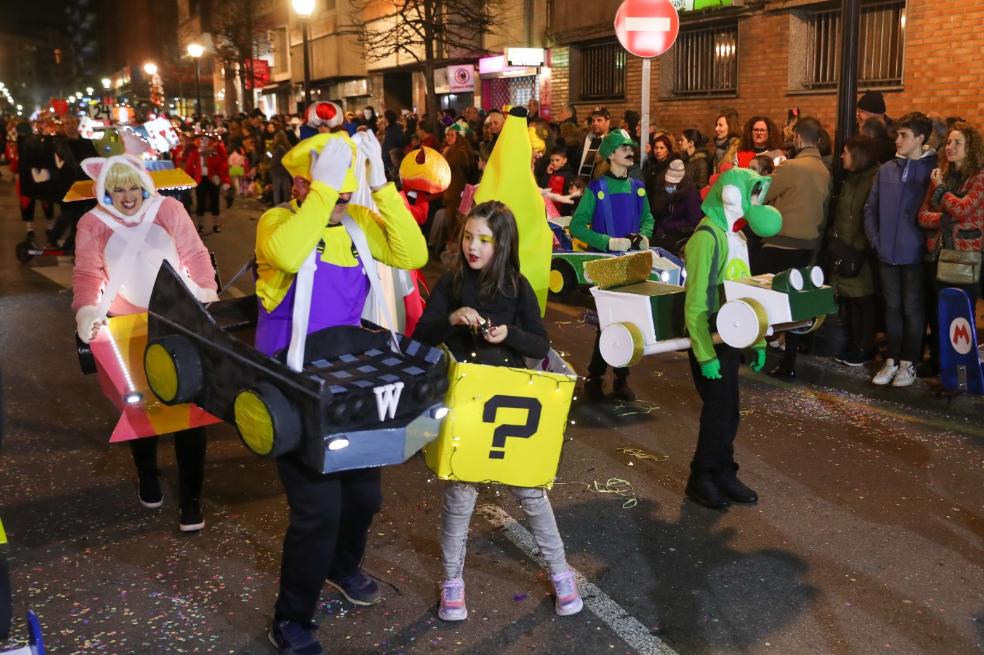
x,y
508,178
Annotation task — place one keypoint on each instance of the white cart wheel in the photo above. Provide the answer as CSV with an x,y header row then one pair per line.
x,y
743,322
621,344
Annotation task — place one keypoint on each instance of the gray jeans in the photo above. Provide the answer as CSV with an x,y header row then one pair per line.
x,y
459,503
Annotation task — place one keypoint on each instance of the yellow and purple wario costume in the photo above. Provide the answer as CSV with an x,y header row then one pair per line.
x,y
286,235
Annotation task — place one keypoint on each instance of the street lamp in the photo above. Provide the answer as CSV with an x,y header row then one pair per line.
x,y
150,68
106,83
304,9
195,51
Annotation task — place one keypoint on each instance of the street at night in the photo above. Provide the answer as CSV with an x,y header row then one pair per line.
x,y
508,327
867,537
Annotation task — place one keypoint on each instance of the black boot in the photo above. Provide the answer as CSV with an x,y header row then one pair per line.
x,y
189,450
729,484
594,390
702,490
622,391
149,491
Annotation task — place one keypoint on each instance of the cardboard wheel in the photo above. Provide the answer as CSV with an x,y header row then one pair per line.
x,y
174,369
622,344
742,323
563,280
267,422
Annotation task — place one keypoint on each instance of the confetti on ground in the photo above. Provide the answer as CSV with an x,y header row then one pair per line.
x,y
642,454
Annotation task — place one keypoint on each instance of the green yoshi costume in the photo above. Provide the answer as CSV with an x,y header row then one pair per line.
x,y
718,251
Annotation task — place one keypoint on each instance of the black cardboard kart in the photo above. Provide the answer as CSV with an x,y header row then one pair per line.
x,y
355,404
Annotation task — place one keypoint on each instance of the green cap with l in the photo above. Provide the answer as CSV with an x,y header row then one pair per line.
x,y
613,141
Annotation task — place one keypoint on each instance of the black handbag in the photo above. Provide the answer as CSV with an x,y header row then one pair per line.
x,y
844,259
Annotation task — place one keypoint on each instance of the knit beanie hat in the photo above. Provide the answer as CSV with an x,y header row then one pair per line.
x,y
872,102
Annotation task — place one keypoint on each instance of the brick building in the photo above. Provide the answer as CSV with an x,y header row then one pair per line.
x,y
770,55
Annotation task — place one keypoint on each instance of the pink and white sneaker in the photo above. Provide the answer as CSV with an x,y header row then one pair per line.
x,y
568,600
453,601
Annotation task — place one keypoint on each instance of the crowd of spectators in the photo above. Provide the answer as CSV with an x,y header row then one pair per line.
x,y
913,188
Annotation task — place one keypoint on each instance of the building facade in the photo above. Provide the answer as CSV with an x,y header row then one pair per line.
x,y
770,56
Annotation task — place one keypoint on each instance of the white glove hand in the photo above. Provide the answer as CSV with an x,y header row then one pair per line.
x,y
368,145
619,244
206,295
330,166
216,180
88,320
643,243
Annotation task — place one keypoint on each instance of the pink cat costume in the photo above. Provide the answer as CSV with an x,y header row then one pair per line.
x,y
104,232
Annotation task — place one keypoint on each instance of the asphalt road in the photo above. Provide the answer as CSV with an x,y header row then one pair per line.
x,y
868,537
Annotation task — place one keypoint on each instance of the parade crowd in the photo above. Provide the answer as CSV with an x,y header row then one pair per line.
x,y
907,222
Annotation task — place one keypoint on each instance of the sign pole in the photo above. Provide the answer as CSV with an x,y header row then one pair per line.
x,y
644,114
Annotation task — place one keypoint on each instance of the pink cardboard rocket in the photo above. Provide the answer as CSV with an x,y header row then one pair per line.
x,y
119,353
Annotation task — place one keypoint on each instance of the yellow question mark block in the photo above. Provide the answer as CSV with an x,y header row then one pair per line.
x,y
504,425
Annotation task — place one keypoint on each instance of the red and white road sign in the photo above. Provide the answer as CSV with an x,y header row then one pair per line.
x,y
647,28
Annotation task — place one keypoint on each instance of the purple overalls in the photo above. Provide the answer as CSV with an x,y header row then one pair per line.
x,y
338,297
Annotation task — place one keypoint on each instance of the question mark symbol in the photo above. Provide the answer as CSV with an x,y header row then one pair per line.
x,y
503,432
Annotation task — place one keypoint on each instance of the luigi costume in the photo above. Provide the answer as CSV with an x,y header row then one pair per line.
x,y
613,216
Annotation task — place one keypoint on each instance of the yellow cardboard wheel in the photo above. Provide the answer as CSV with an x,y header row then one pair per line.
x,y
267,422
621,344
174,369
562,278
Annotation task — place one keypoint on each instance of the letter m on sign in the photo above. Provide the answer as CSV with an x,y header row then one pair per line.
x,y
387,399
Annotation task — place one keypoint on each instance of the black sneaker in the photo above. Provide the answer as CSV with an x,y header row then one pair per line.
x,y
358,588
292,638
191,517
149,491
702,490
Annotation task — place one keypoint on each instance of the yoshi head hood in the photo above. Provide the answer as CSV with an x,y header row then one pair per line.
x,y
736,199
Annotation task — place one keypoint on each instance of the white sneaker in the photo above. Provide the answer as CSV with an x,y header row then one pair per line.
x,y
568,601
906,374
887,372
453,601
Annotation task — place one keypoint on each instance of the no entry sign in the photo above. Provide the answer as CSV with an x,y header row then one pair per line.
x,y
647,28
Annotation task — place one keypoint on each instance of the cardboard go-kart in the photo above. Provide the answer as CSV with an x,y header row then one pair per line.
x,y
361,399
961,361
567,263
638,316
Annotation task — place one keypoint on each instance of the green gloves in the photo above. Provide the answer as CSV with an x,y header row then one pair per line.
x,y
712,369
759,362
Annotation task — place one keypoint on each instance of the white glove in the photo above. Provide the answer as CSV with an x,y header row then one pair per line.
x,y
643,243
88,321
619,244
330,166
206,295
215,179
368,145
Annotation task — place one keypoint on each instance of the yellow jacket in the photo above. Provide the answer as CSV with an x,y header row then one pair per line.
x,y
285,236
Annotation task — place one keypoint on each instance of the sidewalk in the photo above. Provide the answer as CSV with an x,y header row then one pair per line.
x,y
926,393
